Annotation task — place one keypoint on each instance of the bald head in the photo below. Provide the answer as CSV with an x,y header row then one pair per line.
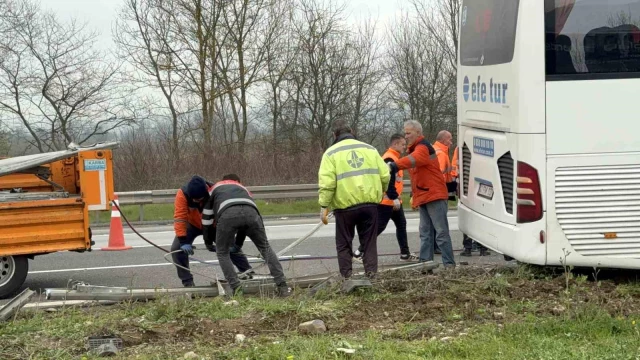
x,y
444,137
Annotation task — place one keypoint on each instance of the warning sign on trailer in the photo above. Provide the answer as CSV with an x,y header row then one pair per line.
x,y
95,165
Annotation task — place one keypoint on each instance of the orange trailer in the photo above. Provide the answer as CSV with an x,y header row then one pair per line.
x,y
45,201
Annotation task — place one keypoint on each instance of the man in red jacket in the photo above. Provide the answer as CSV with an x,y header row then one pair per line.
x,y
429,193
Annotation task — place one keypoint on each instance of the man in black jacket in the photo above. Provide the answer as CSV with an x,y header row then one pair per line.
x,y
231,209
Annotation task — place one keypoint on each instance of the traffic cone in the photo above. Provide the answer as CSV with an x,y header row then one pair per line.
x,y
116,234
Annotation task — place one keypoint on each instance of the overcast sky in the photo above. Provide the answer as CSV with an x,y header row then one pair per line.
x,y
100,14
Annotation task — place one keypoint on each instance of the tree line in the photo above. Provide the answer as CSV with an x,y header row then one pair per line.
x,y
210,86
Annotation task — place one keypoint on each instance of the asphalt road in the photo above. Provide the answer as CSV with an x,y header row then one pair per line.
x,y
144,265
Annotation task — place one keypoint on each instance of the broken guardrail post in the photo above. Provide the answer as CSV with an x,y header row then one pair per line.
x,y
15,304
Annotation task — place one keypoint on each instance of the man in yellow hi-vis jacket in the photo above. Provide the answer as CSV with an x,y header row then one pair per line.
x,y
352,179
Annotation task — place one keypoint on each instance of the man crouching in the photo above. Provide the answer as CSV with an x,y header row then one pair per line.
x,y
232,209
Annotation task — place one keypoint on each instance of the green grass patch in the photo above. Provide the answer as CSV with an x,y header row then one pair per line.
x,y
469,313
596,335
164,212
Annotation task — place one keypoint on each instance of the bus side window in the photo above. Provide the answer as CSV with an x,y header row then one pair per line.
x,y
601,37
558,55
564,63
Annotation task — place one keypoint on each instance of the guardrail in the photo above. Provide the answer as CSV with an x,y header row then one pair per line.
x,y
142,198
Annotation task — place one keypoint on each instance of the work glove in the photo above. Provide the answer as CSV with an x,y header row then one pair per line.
x,y
397,205
324,215
187,248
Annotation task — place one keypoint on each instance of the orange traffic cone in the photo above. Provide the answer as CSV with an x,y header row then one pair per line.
x,y
116,234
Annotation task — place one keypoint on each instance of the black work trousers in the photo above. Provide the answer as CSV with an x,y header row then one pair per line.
x,y
364,218
467,242
238,258
386,213
244,218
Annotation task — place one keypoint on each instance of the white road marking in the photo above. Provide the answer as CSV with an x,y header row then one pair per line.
x,y
211,262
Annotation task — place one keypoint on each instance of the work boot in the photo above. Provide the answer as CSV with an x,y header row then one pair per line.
x,y
357,257
283,291
484,252
188,283
409,257
466,252
449,267
211,247
247,275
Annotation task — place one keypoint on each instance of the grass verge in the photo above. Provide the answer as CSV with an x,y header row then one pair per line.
x,y
164,212
468,313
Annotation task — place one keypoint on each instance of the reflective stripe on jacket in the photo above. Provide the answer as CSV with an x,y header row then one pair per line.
x,y
454,164
223,195
351,173
394,156
185,211
427,182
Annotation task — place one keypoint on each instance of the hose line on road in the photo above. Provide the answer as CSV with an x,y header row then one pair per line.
x,y
136,231
279,254
156,246
167,253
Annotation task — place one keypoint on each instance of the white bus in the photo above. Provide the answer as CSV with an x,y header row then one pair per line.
x,y
549,129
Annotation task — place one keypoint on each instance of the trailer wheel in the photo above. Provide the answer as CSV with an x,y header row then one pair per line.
x,y
13,272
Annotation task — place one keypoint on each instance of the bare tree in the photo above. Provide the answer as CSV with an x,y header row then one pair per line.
x,y
145,40
440,18
370,83
61,87
251,27
280,56
16,80
324,70
423,79
190,46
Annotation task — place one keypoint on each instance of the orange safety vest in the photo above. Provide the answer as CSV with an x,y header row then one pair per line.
x,y
393,155
443,158
454,164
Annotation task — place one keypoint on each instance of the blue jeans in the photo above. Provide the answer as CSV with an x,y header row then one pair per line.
x,y
433,215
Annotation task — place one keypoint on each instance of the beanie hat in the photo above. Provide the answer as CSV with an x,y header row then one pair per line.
x,y
197,188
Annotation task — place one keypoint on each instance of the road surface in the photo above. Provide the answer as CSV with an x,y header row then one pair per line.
x,y
144,265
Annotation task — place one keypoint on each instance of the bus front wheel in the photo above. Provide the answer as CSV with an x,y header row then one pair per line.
x,y
13,272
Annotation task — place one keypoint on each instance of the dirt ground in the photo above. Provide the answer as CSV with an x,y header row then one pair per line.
x,y
407,306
